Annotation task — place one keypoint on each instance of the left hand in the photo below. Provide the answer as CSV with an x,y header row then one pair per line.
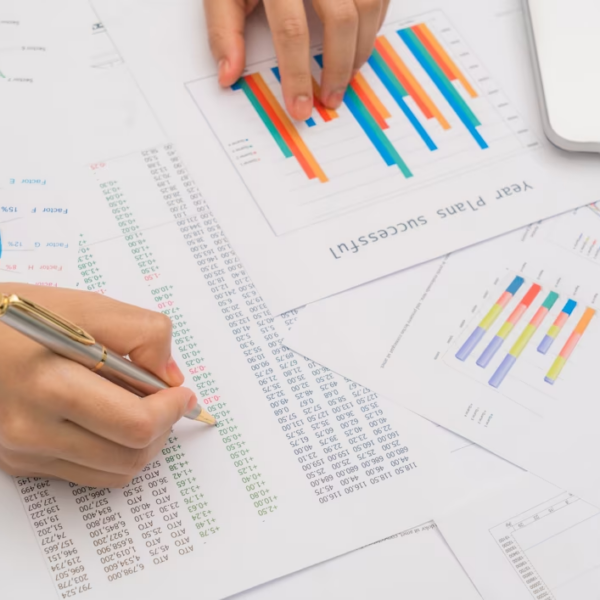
x,y
350,30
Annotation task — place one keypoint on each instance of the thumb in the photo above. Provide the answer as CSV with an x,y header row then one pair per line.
x,y
225,20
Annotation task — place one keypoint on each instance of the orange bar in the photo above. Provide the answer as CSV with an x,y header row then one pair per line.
x,y
299,142
445,58
588,315
412,86
357,85
270,105
381,109
327,114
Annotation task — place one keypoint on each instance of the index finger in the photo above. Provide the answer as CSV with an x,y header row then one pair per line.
x,y
290,35
109,411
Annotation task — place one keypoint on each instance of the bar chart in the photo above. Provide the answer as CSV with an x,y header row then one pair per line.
x,y
542,327
422,109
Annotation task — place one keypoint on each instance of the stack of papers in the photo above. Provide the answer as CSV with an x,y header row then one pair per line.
x,y
350,430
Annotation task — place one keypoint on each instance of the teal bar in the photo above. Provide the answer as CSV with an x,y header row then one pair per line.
x,y
381,137
551,298
448,84
241,84
376,56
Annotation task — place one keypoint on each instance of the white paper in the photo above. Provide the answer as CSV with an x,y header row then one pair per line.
x,y
402,337
304,239
531,540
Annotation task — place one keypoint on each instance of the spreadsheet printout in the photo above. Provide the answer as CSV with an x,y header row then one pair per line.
x,y
437,145
529,541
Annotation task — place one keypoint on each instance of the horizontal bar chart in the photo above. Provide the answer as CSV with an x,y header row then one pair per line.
x,y
508,326
570,345
489,319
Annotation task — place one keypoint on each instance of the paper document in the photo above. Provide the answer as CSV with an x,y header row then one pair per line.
x,y
437,145
531,540
497,343
298,454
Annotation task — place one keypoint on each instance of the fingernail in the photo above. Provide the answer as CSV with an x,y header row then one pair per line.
x,y
334,99
302,106
192,402
223,66
173,370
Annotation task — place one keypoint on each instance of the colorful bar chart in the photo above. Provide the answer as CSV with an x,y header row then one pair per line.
x,y
557,326
372,123
523,340
443,72
279,124
473,340
310,122
570,345
508,326
384,70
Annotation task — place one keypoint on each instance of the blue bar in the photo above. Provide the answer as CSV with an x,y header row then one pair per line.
x,y
237,85
550,381
368,129
469,345
490,351
569,307
442,87
516,284
319,59
383,76
545,344
310,121
502,370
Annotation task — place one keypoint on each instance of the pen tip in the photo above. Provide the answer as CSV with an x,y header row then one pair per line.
x,y
206,417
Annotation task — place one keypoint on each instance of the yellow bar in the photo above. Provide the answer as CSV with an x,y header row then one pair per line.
x,y
556,368
381,109
523,340
505,330
260,82
489,319
553,331
445,56
435,111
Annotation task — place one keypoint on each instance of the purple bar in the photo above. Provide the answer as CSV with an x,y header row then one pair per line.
x,y
545,344
469,345
490,351
502,370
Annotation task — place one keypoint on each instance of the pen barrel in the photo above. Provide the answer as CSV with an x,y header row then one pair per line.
x,y
109,365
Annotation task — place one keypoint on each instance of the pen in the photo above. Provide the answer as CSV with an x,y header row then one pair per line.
x,y
72,342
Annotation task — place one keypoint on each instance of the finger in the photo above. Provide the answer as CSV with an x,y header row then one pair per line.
x,y
142,334
384,10
61,469
289,27
70,442
110,411
340,20
225,22
369,14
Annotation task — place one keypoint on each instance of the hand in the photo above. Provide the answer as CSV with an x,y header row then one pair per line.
x,y
350,30
60,420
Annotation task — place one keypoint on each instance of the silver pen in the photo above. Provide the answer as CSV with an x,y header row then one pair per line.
x,y
72,342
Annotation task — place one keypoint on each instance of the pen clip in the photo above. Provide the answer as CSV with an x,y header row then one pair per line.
x,y
49,318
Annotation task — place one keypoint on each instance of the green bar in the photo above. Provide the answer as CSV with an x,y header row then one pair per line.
x,y
523,340
382,137
474,120
266,119
381,62
550,300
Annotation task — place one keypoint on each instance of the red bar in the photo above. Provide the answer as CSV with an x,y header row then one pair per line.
x,y
280,127
529,297
368,104
441,63
403,80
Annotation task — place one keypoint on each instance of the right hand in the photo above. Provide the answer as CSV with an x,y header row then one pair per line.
x,y
60,420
